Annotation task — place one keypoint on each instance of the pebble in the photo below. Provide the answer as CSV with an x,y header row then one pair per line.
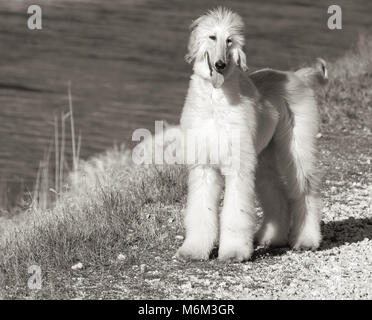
x,y
143,268
77,266
122,257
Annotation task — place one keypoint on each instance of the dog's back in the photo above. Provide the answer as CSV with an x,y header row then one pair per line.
x,y
273,84
282,95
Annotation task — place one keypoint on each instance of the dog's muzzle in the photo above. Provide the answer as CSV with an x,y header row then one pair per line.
x,y
216,72
220,65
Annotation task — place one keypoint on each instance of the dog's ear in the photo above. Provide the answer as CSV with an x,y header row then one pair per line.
x,y
240,58
193,46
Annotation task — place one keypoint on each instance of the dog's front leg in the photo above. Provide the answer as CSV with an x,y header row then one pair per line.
x,y
201,216
238,218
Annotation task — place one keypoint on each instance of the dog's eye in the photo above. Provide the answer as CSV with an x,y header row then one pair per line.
x,y
212,37
228,41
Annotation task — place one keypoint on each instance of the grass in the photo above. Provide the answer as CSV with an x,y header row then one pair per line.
x,y
347,103
108,206
42,191
48,184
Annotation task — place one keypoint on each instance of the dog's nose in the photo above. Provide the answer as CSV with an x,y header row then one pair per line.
x,y
220,65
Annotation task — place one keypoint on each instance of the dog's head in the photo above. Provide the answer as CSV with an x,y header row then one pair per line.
x,y
216,45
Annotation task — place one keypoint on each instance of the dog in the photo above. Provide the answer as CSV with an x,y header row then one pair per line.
x,y
275,113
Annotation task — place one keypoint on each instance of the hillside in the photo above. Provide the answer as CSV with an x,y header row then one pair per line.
x,y
123,223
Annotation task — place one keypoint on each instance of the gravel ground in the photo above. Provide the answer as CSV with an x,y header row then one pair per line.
x,y
340,269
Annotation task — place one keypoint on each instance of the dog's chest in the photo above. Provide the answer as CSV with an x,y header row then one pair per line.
x,y
223,110
215,125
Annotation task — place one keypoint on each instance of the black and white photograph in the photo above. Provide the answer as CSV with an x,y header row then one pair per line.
x,y
185,150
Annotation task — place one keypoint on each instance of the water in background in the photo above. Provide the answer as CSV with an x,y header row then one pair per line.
x,y
124,59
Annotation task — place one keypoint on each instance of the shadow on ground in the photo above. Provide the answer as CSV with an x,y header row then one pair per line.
x,y
335,234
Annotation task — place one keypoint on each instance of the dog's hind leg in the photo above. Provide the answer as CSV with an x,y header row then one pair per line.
x,y
295,152
201,216
272,196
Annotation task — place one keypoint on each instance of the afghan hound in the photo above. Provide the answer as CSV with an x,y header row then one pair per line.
x,y
275,113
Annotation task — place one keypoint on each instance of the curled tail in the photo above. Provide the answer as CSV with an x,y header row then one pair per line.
x,y
316,75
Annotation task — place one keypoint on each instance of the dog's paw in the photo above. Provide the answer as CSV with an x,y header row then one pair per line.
x,y
237,252
190,251
269,238
306,240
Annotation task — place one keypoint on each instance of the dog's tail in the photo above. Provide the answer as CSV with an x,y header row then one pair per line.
x,y
316,75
